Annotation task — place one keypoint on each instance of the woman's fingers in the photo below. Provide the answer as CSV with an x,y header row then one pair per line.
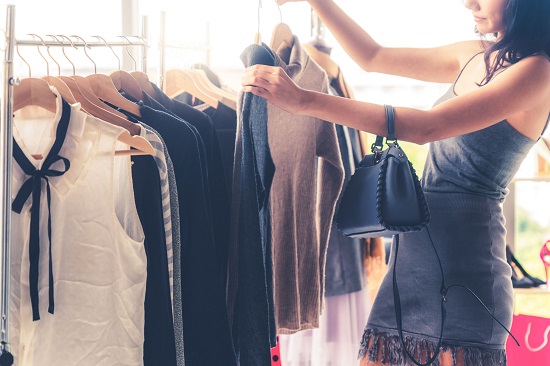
x,y
261,92
273,84
265,77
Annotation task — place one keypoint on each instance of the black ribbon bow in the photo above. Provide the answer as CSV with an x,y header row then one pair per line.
x,y
33,186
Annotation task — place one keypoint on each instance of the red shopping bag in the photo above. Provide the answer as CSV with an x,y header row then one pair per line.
x,y
532,333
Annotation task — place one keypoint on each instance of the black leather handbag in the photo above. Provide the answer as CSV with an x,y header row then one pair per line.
x,y
383,196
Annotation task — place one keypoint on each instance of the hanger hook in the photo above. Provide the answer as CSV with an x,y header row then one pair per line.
x,y
143,40
53,59
40,52
280,12
128,52
86,52
25,61
108,45
73,46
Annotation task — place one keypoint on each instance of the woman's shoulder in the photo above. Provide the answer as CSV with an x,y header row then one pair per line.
x,y
537,64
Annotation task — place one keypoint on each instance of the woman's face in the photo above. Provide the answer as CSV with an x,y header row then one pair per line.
x,y
487,14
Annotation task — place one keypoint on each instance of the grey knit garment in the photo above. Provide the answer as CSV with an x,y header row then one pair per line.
x,y
307,182
250,284
176,242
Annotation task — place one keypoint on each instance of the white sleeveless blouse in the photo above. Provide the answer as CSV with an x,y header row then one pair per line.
x,y
98,257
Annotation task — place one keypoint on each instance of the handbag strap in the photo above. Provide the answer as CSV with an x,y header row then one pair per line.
x,y
390,128
390,123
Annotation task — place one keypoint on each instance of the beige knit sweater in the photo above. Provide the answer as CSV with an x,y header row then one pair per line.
x,y
307,182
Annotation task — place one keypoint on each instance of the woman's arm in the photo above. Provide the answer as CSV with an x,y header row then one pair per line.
x,y
438,64
524,87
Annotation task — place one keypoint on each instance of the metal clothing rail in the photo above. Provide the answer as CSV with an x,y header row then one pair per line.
x,y
190,47
31,42
6,139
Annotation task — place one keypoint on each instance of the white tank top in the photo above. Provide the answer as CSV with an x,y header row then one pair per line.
x,y
98,257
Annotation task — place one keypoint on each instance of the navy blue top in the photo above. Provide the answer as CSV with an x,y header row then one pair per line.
x,y
205,324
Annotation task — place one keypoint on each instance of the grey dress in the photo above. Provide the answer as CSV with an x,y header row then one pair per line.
x,y
464,180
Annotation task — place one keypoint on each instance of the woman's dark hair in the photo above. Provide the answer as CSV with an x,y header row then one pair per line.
x,y
526,31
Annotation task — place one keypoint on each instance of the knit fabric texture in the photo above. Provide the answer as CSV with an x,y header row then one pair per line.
x,y
250,283
306,185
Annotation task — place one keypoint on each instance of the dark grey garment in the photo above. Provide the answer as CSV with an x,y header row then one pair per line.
x,y
250,276
481,162
176,248
465,181
344,270
468,233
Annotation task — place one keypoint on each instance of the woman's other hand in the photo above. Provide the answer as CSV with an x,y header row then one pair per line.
x,y
273,84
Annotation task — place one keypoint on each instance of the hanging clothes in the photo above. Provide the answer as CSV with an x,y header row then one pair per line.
x,y
225,122
219,201
335,341
203,307
306,186
159,342
250,281
168,177
96,251
345,270
347,297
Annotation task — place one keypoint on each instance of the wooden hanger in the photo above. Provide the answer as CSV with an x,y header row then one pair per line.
x,y
282,34
84,94
144,83
179,81
323,59
131,137
104,89
258,38
61,87
221,95
140,144
125,82
33,91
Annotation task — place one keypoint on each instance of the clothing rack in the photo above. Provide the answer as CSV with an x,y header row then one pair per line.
x,y
6,139
189,47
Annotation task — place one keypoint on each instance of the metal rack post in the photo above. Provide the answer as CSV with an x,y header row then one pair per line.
x,y
6,137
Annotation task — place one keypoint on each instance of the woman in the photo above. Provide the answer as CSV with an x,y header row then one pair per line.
x,y
480,131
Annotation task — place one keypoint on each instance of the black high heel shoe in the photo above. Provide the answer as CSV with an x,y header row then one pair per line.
x,y
521,279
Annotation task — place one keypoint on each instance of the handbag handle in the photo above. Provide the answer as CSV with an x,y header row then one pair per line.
x,y
390,128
